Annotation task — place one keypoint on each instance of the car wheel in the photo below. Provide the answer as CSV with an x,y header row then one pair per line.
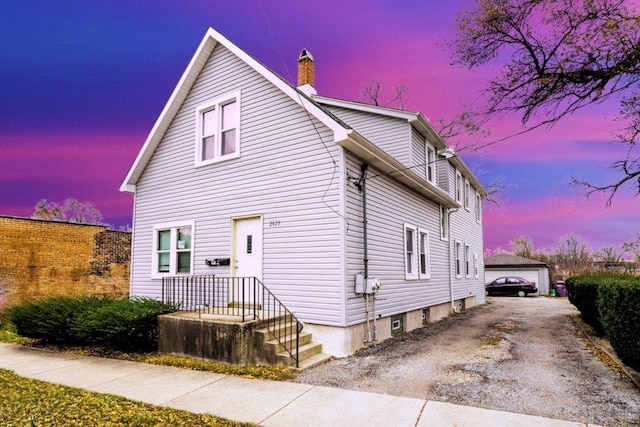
x,y
522,294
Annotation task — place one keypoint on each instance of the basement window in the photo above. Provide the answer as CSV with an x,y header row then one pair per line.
x,y
397,324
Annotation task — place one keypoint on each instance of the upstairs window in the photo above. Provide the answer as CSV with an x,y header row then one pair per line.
x,y
172,250
444,223
459,185
431,165
467,195
218,130
478,208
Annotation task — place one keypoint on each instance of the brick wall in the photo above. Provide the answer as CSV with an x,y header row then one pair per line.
x,y
44,258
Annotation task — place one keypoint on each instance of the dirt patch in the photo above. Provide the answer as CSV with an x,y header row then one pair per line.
x,y
523,355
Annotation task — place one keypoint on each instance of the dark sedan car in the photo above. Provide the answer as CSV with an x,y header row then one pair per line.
x,y
511,285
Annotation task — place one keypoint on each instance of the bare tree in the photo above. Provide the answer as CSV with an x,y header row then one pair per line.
x,y
572,255
608,255
70,211
522,246
371,95
633,247
558,56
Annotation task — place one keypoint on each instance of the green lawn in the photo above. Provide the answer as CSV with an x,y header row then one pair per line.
x,y
28,402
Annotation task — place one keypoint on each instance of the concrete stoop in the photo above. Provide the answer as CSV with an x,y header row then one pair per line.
x,y
309,352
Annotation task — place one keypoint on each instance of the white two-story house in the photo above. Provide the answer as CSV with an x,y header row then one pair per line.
x,y
359,218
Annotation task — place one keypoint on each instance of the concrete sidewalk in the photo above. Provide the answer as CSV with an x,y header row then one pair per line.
x,y
268,403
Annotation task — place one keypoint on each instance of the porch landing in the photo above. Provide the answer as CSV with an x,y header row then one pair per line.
x,y
227,338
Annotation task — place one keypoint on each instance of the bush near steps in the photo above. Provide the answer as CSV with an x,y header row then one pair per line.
x,y
121,324
611,304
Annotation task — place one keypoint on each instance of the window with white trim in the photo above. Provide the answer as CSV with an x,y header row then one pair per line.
x,y
478,208
476,266
459,185
218,130
458,255
431,165
467,261
425,258
467,195
173,249
444,223
411,254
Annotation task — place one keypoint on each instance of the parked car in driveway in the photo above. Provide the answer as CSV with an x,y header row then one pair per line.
x,y
511,285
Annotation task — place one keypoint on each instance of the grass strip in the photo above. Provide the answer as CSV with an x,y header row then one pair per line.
x,y
37,403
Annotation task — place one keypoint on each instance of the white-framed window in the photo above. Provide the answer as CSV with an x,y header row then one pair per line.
x,y
459,185
424,255
467,261
444,223
458,260
411,252
467,195
172,249
478,208
218,130
476,266
432,171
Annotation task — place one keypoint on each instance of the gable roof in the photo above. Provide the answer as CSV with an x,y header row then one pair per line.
x,y
417,120
344,136
198,61
508,260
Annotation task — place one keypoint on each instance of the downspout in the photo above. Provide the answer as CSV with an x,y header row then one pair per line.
x,y
362,187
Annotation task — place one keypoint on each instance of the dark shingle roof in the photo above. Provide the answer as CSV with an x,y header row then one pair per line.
x,y
508,260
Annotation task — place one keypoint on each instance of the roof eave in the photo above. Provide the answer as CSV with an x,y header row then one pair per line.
x,y
374,156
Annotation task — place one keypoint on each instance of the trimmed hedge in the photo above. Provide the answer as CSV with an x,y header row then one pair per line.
x,y
121,324
583,293
619,309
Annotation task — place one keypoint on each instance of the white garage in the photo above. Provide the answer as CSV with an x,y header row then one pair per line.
x,y
513,265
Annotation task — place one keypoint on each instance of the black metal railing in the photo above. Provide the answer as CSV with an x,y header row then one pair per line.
x,y
245,297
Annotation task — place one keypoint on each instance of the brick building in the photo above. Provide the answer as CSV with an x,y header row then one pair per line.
x,y
41,258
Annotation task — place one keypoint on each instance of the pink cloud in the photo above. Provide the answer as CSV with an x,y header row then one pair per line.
x,y
547,219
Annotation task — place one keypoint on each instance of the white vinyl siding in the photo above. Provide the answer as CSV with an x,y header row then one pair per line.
x,y
286,174
389,207
466,230
390,134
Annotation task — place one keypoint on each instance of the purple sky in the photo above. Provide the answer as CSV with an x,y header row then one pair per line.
x,y
81,85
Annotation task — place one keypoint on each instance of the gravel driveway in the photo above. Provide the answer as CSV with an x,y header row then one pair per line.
x,y
522,355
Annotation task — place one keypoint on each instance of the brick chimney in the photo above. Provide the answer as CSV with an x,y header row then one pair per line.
x,y
306,73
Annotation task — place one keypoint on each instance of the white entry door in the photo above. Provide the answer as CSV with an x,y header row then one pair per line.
x,y
248,260
248,247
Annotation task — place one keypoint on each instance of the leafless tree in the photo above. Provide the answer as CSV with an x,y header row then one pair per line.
x,y
70,211
558,56
572,255
522,246
608,255
371,95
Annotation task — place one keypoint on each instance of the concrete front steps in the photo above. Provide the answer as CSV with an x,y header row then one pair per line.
x,y
309,353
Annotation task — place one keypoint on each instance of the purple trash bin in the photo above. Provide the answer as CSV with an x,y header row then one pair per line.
x,y
560,287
